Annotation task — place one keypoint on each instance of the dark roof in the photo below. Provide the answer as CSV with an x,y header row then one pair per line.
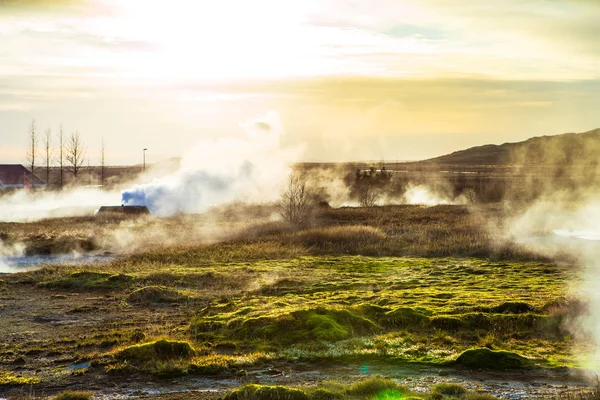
x,y
132,210
14,174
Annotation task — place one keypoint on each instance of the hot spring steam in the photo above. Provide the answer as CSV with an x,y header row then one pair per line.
x,y
252,167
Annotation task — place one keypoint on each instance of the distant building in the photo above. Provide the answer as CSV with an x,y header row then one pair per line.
x,y
16,176
124,210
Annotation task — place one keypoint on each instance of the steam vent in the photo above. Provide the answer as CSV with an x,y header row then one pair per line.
x,y
126,210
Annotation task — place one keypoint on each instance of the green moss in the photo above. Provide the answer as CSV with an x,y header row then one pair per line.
x,y
89,280
484,358
376,386
511,307
324,394
261,392
74,396
325,327
406,316
323,324
12,379
160,350
447,323
450,389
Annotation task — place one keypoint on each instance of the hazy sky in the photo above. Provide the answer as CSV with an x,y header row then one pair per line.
x,y
352,79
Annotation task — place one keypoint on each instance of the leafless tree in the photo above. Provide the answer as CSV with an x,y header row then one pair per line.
x,y
61,156
48,153
295,205
102,162
90,172
470,195
367,194
32,145
75,155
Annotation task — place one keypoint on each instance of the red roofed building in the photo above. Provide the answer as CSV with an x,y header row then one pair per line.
x,y
16,176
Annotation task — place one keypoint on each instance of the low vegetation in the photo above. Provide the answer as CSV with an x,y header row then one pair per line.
x,y
375,388
408,287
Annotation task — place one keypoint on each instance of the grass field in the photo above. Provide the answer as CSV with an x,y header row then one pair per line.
x,y
403,287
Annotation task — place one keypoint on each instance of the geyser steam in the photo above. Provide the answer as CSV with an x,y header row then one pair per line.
x,y
558,225
251,167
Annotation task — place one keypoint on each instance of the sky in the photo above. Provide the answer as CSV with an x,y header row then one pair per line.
x,y
350,79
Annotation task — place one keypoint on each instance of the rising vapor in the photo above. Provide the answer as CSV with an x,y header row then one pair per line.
x,y
252,167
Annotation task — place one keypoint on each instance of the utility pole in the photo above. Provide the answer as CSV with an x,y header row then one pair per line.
x,y
144,164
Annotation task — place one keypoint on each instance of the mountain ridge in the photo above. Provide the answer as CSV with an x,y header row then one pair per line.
x,y
538,149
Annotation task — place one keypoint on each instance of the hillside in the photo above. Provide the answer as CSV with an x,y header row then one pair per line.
x,y
565,148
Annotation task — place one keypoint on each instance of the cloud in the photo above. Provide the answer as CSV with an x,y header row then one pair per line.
x,y
529,36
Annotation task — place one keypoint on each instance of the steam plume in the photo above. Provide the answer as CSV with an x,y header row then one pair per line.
x,y
252,167
23,207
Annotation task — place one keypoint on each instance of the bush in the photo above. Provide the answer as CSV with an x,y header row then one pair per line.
x,y
295,205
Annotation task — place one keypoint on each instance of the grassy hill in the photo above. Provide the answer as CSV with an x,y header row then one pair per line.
x,y
566,148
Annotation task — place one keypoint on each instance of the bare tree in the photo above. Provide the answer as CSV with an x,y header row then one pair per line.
x,y
32,145
295,205
102,162
48,153
90,172
367,194
61,157
75,155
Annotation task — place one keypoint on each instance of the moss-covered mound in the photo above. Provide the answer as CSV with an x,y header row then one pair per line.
x,y
323,324
261,392
511,307
484,358
377,386
406,316
155,295
450,389
89,280
160,350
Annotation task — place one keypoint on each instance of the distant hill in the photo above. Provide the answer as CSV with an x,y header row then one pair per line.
x,y
566,148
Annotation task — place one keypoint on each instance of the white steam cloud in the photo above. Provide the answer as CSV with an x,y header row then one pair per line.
x,y
556,225
22,206
424,195
9,250
252,167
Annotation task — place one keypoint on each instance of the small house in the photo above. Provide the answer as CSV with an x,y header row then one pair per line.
x,y
16,176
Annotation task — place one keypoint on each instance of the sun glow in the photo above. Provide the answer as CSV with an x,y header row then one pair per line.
x,y
227,39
